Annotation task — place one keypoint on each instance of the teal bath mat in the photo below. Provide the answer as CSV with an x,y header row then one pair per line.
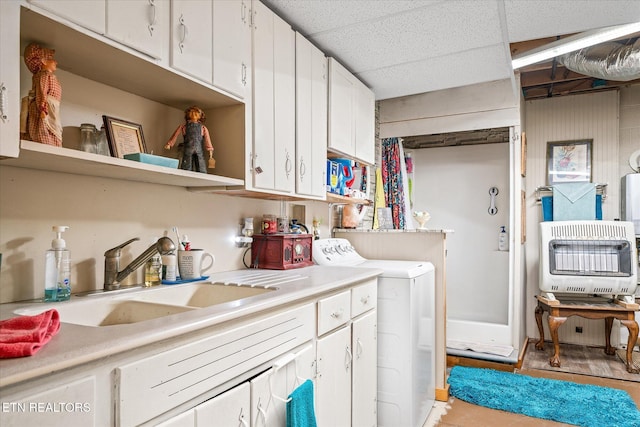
x,y
563,401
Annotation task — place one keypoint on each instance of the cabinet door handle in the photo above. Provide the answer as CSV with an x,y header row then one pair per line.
x,y
359,348
241,419
365,300
243,12
337,314
4,104
303,168
183,34
348,358
263,413
244,74
151,26
287,165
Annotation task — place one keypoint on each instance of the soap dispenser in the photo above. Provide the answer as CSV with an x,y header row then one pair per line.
x,y
57,275
503,239
153,269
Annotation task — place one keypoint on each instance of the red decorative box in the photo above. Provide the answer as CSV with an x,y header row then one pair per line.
x,y
281,251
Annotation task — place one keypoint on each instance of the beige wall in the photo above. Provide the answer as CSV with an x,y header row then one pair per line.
x,y
612,120
103,213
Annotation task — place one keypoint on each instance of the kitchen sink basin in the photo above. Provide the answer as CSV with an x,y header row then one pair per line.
x,y
111,312
200,294
146,304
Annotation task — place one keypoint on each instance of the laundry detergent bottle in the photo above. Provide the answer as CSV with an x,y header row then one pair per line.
x,y
57,274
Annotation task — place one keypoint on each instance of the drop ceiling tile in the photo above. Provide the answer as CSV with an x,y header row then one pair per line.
x,y
471,67
442,29
315,16
534,19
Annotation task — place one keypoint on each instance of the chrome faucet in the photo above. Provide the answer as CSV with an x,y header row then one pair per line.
x,y
112,275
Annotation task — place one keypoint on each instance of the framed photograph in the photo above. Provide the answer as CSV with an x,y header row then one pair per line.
x,y
569,161
523,155
124,137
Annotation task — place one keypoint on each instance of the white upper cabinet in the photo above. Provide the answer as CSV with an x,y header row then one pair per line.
x,y
9,79
192,38
365,131
89,14
273,102
232,45
340,108
140,24
351,115
311,118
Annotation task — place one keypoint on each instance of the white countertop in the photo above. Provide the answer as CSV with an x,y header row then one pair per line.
x,y
380,230
76,344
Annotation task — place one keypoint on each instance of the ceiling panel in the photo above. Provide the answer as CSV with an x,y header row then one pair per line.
x,y
405,47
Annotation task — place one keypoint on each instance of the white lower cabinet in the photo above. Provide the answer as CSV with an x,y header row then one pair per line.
x,y
347,358
364,387
186,419
231,408
333,401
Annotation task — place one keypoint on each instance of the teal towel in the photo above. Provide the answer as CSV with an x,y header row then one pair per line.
x,y
574,201
300,412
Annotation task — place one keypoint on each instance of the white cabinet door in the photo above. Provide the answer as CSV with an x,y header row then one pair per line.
x,y
191,38
273,101
341,108
140,24
311,118
231,408
364,134
365,357
333,381
284,105
10,79
232,45
89,14
185,419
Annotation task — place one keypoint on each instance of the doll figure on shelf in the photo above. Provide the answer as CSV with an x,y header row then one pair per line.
x,y
194,135
43,117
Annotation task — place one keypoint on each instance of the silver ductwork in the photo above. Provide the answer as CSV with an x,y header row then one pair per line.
x,y
608,61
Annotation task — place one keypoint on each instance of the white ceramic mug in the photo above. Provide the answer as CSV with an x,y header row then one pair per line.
x,y
190,263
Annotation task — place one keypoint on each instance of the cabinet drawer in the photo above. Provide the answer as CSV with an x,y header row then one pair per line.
x,y
334,311
364,297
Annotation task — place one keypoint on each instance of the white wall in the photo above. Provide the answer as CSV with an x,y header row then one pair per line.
x,y
452,184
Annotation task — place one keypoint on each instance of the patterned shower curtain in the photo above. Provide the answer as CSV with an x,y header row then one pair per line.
x,y
394,178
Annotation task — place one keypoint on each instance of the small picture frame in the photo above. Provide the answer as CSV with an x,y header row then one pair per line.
x,y
569,161
124,137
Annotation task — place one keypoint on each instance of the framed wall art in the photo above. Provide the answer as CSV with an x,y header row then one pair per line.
x,y
569,161
124,137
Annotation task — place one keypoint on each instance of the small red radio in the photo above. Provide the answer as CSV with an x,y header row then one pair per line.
x,y
281,251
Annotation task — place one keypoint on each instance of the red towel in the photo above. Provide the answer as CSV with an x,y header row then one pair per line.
x,y
25,335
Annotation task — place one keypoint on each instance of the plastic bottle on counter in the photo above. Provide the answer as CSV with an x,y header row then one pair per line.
x,y
170,267
153,269
503,239
57,275
186,243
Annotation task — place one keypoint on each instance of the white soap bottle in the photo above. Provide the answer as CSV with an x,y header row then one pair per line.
x,y
57,265
503,239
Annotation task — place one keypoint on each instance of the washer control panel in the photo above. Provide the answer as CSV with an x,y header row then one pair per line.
x,y
335,252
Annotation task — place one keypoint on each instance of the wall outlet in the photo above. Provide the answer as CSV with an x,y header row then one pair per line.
x,y
578,329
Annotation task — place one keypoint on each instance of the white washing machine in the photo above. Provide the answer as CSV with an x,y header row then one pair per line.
x,y
406,332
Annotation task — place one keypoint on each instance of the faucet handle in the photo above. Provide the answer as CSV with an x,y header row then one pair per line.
x,y
115,252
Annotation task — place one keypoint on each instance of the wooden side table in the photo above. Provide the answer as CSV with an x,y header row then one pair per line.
x,y
559,311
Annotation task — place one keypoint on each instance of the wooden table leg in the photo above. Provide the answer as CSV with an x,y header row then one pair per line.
x,y
632,326
608,324
554,324
540,343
